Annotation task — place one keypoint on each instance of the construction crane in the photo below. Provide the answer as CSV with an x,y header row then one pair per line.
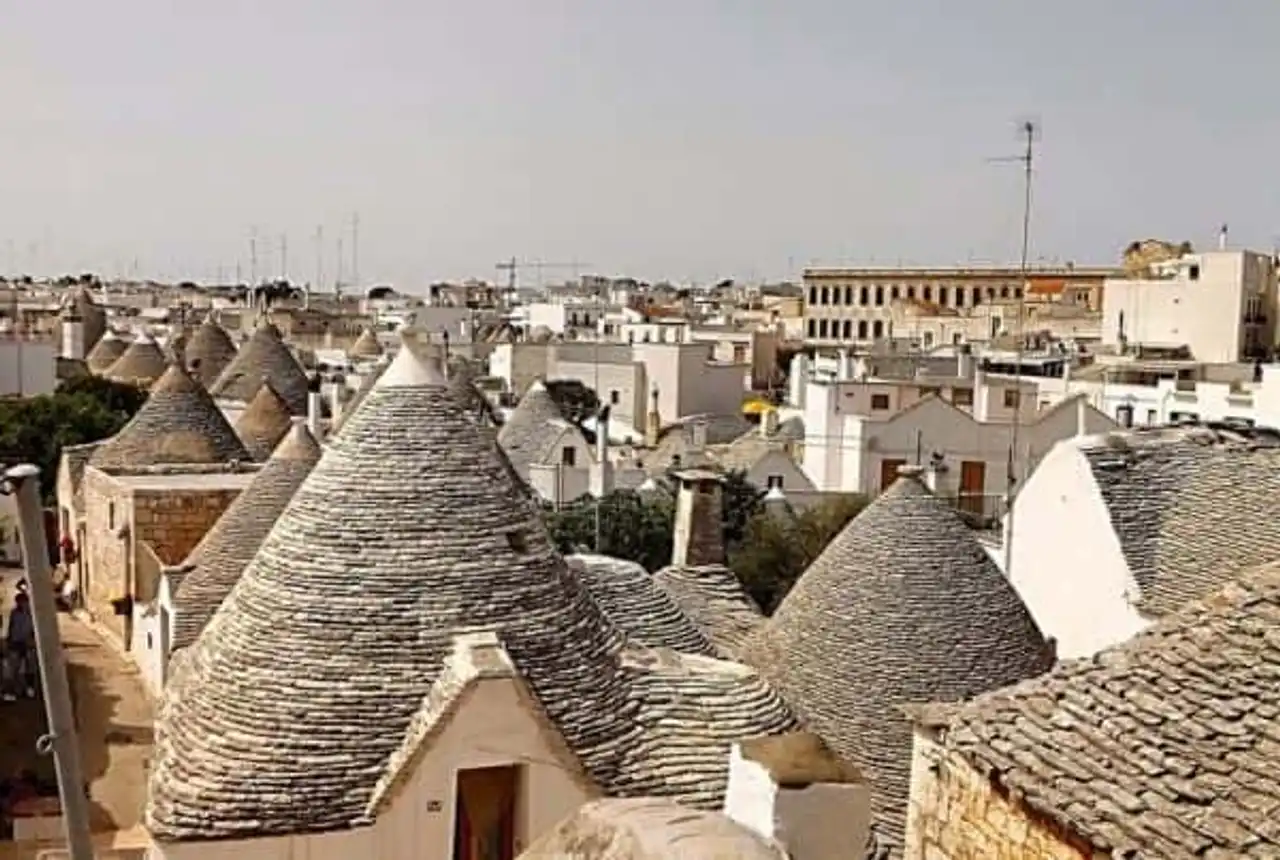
x,y
512,266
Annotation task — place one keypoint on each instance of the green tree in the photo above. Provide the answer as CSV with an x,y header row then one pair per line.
x,y
779,545
633,526
84,409
576,399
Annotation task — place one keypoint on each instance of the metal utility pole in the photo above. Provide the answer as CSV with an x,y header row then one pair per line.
x,y
24,483
1028,130
337,283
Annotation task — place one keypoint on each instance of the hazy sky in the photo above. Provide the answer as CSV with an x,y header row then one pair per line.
x,y
659,138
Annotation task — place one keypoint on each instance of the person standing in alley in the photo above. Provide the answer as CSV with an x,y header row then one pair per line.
x,y
20,643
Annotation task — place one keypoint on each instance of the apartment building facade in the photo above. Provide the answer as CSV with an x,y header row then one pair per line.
x,y
854,305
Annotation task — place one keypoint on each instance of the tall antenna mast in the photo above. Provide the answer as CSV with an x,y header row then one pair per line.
x,y
1028,129
355,249
319,278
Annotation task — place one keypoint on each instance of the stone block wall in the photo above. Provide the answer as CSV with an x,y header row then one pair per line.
x,y
174,520
956,814
108,506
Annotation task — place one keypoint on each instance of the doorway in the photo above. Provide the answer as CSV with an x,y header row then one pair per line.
x,y
889,472
973,480
484,823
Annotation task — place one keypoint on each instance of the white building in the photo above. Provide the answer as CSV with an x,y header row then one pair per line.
x,y
1220,304
27,367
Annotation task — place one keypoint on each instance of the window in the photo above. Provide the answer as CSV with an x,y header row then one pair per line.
x,y
928,391
111,515
862,329
942,295
615,397
813,295
957,338
959,297
962,396
1004,292
863,295
846,329
1124,415
826,296
1194,273
928,294
1151,417
848,295
822,328
928,339
911,292
1011,398
879,296
774,482
895,293
568,456
977,296
879,402
877,328
813,328
516,540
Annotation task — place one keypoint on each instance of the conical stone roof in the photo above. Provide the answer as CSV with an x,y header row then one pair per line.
x,y
264,357
264,423
524,434
141,363
366,345
218,560
178,425
105,353
903,607
289,706
209,351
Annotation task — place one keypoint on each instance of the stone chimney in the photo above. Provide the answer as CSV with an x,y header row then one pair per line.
x,y
790,788
698,436
769,423
337,397
73,341
315,406
699,531
652,421
964,361
934,474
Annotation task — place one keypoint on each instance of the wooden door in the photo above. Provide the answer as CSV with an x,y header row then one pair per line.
x,y
485,814
973,482
889,472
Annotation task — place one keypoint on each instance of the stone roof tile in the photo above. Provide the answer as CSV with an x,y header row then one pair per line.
x,y
902,607
212,568
1165,746
105,352
208,352
264,423
264,357
283,715
179,424
713,598
141,363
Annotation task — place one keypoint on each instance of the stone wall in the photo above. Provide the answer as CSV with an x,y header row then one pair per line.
x,y
956,814
107,507
173,521
699,535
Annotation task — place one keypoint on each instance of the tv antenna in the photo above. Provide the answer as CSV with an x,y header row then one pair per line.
x,y
1029,131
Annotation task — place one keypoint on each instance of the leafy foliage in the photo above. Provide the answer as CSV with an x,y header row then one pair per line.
x,y
84,409
778,546
577,401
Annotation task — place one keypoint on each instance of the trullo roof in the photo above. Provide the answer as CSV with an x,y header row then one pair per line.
x,y
179,424
105,352
141,363
213,567
286,711
264,357
366,345
208,352
264,423
903,607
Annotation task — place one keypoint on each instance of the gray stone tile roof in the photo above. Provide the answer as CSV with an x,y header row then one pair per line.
x,y
534,422
77,457
367,381
366,345
264,358
1167,746
105,353
214,566
1189,506
179,424
264,423
627,593
649,829
713,598
141,363
283,715
208,352
902,607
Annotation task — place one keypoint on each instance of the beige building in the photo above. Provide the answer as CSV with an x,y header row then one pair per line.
x,y
931,325
1161,747
854,305
1221,305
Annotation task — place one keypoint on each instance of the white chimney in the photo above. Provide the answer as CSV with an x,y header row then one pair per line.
x,y
337,395
799,379
1222,238
964,361
1082,415
601,469
845,371
769,423
73,337
782,787
315,407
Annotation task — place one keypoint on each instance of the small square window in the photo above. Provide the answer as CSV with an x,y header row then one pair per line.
x,y
568,455
879,401
111,515
774,482
1011,398
962,396
615,397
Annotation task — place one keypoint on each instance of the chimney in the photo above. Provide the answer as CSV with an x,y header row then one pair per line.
x,y
699,535
799,379
845,368
601,470
652,421
780,786
698,436
337,396
964,361
314,404
73,336
934,473
1222,238
769,423
1082,415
